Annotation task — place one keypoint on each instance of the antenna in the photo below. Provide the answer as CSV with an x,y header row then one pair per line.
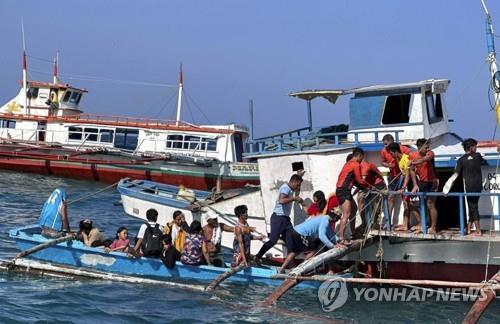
x,y
25,67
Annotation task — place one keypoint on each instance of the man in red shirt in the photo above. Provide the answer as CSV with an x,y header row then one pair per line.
x,y
394,178
371,174
349,175
423,169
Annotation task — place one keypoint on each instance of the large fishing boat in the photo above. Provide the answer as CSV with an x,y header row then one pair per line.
x,y
44,130
407,111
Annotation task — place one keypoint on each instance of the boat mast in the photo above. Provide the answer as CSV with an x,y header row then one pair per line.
x,y
492,60
25,77
25,84
56,69
179,98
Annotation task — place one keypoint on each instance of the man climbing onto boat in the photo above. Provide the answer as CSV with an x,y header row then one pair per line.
x,y
242,237
422,169
212,238
394,178
404,164
280,219
303,237
349,175
469,167
149,237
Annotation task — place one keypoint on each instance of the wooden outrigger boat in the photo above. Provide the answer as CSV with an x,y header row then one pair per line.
x,y
76,258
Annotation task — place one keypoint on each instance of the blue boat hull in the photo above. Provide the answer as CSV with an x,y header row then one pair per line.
x,y
76,254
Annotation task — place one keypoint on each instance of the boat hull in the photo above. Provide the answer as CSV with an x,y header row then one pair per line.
x,y
75,254
453,259
191,176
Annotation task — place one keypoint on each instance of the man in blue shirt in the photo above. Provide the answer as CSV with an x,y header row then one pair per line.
x,y
54,216
303,237
280,219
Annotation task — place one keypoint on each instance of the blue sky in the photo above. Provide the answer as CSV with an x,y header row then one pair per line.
x,y
233,51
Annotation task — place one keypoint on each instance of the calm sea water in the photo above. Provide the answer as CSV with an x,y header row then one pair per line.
x,y
30,298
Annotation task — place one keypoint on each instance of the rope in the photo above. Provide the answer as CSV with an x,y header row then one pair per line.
x,y
92,194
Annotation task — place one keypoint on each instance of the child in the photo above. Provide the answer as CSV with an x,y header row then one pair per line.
x,y
121,242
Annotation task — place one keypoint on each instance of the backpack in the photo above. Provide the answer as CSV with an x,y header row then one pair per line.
x,y
151,242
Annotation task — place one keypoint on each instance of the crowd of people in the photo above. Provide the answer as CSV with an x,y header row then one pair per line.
x,y
409,172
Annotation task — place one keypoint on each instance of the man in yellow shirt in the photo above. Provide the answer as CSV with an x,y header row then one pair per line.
x,y
405,165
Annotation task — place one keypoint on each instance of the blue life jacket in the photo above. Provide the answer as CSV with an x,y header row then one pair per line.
x,y
51,213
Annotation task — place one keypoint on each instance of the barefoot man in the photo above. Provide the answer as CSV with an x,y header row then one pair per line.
x,y
422,163
469,167
349,175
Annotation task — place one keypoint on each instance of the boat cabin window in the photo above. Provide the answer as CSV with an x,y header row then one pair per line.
x,y
174,141
190,142
211,144
67,95
397,109
126,138
6,123
434,107
75,133
106,135
90,134
75,98
33,92
238,147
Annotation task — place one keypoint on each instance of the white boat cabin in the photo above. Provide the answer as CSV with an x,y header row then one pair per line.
x,y
50,113
407,111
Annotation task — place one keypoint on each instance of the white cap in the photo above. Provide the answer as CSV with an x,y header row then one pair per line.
x,y
210,215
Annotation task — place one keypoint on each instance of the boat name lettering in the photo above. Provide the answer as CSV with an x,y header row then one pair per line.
x,y
491,183
252,168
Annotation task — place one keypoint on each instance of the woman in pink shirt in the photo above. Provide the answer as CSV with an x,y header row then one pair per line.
x,y
121,242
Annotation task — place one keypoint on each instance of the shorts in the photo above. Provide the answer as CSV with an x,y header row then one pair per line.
x,y
395,183
298,243
343,195
427,186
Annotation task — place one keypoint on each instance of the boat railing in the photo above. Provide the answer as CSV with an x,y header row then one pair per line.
x,y
122,120
291,142
461,210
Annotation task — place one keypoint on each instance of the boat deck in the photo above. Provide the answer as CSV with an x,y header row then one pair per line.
x,y
448,234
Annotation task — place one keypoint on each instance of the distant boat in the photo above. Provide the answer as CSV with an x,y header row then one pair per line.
x,y
43,130
76,256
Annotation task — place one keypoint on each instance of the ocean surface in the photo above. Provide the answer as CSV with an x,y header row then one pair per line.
x,y
32,298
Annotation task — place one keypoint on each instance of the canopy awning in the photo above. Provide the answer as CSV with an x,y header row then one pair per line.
x,y
330,95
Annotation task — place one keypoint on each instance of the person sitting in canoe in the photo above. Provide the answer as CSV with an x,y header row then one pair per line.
x,y
212,236
90,235
242,237
121,242
54,217
149,238
177,229
303,237
192,253
169,253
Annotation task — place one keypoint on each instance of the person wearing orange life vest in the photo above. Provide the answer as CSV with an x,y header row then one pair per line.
x,y
371,174
349,175
422,168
